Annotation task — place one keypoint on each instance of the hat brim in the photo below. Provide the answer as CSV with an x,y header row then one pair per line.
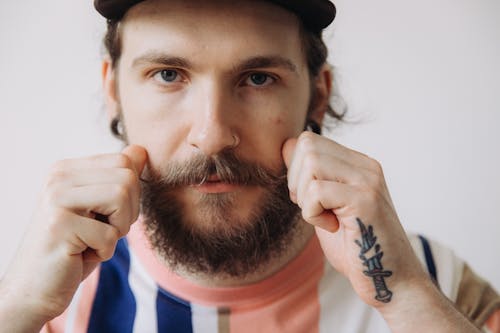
x,y
315,14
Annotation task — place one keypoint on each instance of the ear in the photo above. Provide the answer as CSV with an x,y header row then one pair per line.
x,y
110,88
323,88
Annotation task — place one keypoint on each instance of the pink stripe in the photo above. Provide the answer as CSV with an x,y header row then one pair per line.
x,y
86,301
298,312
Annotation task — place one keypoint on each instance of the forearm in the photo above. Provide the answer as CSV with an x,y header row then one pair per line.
x,y
421,307
17,318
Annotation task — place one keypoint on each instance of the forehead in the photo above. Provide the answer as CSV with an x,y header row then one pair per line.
x,y
200,28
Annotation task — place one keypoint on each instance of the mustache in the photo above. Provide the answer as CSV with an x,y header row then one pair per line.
x,y
226,166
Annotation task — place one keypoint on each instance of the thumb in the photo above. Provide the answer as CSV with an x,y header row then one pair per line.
x,y
288,150
138,155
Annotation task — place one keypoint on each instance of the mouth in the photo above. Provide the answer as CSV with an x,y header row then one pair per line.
x,y
214,185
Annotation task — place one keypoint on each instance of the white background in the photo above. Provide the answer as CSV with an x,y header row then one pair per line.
x,y
422,77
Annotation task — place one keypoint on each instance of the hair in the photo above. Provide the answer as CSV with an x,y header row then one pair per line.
x,y
313,46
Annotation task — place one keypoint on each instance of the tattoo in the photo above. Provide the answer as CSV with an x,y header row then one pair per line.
x,y
375,270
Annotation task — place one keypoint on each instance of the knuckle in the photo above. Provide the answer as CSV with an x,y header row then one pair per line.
x,y
56,177
306,215
314,190
375,181
129,178
122,161
107,253
55,220
53,194
359,178
110,237
311,161
57,174
370,196
122,227
306,136
375,166
312,198
306,141
308,212
58,166
124,230
121,193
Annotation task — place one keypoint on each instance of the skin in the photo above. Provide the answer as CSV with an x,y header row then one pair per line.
x,y
213,102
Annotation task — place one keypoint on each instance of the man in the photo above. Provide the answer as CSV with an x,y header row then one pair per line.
x,y
245,222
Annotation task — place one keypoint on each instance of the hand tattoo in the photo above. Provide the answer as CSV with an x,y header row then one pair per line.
x,y
375,269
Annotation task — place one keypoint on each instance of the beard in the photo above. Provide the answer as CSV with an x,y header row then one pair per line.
x,y
216,240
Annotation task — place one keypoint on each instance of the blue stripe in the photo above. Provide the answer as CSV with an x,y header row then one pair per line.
x,y
429,259
174,314
114,305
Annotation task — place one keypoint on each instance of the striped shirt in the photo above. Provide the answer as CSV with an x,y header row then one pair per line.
x,y
135,292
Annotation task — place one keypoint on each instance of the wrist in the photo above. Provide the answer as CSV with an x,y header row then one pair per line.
x,y
18,316
418,306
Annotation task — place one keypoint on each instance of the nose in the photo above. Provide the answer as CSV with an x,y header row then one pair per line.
x,y
212,130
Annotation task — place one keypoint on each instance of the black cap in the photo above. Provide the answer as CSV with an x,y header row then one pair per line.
x,y
315,14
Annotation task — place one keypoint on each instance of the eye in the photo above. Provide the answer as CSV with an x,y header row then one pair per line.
x,y
259,79
167,75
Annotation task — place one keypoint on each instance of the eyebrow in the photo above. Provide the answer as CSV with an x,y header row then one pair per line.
x,y
272,61
161,59
266,62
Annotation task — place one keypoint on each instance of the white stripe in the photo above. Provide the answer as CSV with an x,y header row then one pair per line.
x,y
449,267
69,325
341,310
145,291
418,249
204,319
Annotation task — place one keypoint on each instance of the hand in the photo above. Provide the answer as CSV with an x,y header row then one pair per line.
x,y
87,205
344,195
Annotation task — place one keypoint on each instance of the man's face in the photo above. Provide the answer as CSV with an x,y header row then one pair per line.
x,y
197,79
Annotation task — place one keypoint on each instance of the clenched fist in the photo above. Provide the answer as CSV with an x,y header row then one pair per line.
x,y
343,193
86,206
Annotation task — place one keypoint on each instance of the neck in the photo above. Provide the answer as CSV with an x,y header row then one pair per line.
x,y
301,237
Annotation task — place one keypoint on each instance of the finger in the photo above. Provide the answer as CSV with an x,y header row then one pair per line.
x,y
309,146
326,220
328,167
114,201
138,156
323,144
325,197
93,162
305,142
84,177
287,151
84,233
127,177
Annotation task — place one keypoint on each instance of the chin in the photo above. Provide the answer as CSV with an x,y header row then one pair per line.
x,y
227,212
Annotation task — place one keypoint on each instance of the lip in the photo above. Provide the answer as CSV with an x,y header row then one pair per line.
x,y
213,178
214,187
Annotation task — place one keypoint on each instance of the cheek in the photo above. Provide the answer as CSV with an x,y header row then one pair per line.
x,y
288,117
151,122
281,122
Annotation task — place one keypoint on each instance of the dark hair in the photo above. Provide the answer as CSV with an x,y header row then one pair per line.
x,y
314,48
